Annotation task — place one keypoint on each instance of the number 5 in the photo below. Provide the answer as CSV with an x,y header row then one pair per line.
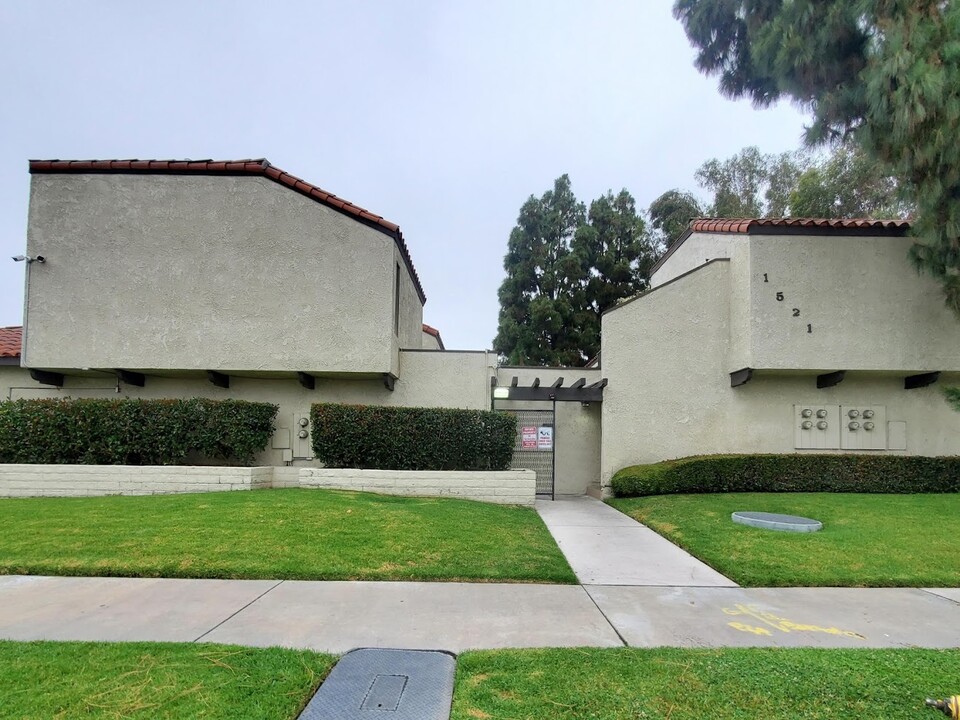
x,y
779,297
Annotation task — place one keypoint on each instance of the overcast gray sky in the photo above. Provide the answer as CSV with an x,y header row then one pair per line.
x,y
441,116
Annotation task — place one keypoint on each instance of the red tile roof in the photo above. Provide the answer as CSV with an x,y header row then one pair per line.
x,y
742,225
10,340
436,333
259,167
786,226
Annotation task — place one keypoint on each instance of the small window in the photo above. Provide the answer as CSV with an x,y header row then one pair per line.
x,y
396,303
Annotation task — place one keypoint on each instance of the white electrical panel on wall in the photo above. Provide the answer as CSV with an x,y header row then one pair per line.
x,y
863,427
816,427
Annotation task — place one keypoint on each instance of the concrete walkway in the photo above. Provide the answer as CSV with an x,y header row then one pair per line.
x,y
339,616
606,547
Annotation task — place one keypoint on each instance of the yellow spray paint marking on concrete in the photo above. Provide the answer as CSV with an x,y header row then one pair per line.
x,y
778,623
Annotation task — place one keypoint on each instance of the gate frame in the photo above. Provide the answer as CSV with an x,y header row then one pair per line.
x,y
578,392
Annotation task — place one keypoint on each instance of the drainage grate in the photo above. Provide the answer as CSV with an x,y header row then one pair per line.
x,y
386,684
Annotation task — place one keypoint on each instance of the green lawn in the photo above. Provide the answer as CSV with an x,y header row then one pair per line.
x,y
742,684
866,540
152,680
278,534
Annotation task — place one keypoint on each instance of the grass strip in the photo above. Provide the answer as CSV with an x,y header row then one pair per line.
x,y
279,534
156,680
866,541
677,684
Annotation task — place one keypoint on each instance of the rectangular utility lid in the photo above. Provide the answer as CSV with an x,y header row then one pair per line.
x,y
386,684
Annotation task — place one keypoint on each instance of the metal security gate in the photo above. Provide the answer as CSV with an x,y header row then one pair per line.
x,y
534,446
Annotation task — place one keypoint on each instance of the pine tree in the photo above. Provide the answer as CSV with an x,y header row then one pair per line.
x,y
538,295
564,267
618,255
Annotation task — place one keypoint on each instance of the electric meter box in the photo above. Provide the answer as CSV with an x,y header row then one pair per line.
x,y
863,427
816,427
302,446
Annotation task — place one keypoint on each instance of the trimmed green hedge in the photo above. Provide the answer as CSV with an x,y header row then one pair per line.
x,y
406,438
132,432
790,473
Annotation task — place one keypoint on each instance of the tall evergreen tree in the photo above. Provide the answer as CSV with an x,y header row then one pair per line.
x,y
564,267
544,277
884,72
618,256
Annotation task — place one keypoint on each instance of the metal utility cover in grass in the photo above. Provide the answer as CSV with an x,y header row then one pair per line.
x,y
776,521
384,683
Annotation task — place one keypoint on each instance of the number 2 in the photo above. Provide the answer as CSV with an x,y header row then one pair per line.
x,y
796,312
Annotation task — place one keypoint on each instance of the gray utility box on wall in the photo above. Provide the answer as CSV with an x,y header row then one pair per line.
x,y
842,427
302,447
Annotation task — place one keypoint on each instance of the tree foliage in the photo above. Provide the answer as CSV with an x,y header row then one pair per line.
x,y
883,72
847,184
843,183
564,267
671,213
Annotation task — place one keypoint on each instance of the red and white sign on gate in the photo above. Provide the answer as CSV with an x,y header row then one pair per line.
x,y
528,437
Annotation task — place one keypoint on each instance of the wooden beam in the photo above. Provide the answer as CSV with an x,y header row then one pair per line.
x,y
599,384
558,383
218,378
515,381
563,394
389,381
45,377
536,383
579,383
830,379
132,378
741,377
913,382
307,380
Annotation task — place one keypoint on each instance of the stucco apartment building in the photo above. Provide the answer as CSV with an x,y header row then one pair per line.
x,y
237,279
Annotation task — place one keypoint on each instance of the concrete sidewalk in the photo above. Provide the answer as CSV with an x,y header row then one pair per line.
x,y
339,616
606,547
638,589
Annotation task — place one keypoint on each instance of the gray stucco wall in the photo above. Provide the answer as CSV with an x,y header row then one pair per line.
x,y
666,356
429,341
696,250
865,305
411,309
663,355
194,272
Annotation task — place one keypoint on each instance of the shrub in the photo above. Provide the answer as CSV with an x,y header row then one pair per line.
x,y
953,397
791,473
132,432
405,438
